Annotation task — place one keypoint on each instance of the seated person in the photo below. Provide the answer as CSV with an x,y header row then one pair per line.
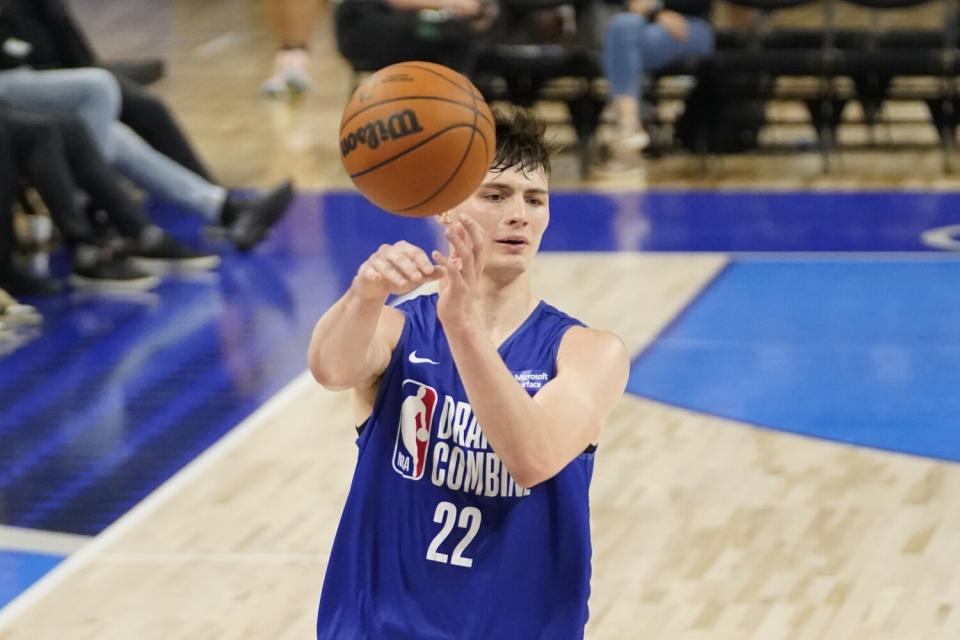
x,y
649,36
92,96
43,34
376,33
40,154
292,23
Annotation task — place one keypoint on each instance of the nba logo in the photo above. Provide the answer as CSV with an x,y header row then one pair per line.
x,y
413,432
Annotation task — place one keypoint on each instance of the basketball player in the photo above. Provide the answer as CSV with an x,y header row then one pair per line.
x,y
480,409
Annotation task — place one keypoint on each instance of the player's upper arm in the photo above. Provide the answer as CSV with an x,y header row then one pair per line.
x,y
592,371
389,329
385,339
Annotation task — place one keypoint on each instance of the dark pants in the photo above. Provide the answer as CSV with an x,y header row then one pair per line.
x,y
56,156
371,35
59,42
8,179
149,116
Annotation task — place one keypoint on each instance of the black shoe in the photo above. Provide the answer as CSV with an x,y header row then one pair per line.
x,y
255,218
20,283
111,274
164,254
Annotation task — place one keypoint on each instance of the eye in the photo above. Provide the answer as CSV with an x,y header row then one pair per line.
x,y
537,202
494,197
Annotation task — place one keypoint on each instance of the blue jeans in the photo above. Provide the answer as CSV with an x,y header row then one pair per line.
x,y
93,96
633,47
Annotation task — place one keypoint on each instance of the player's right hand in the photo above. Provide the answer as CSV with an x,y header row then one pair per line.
x,y
394,269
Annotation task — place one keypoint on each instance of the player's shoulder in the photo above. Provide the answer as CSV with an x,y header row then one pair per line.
x,y
586,346
559,315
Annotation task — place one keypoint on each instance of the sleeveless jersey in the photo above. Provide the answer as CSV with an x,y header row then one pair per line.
x,y
436,541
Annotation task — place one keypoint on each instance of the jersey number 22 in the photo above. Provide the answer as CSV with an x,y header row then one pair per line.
x,y
446,514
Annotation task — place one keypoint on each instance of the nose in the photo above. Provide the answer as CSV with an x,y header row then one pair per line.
x,y
517,212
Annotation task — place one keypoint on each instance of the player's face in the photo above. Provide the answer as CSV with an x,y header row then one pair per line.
x,y
512,208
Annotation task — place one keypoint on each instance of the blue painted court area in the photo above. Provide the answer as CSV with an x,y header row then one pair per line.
x,y
19,570
720,221
856,351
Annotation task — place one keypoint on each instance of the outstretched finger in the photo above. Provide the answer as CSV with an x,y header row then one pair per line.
x,y
476,232
461,242
471,261
450,268
477,237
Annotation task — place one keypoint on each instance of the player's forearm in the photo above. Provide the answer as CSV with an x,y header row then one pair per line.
x,y
517,428
342,349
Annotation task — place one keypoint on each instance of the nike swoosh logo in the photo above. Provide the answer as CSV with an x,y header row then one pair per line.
x,y
415,360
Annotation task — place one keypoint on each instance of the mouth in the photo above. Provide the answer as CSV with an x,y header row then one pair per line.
x,y
513,242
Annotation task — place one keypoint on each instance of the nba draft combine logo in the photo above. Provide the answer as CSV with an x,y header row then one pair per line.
x,y
462,459
413,432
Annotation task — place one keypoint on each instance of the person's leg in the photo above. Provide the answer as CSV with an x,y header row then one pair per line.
x,y
73,47
632,48
13,280
374,37
40,154
292,23
150,247
660,49
102,183
623,66
248,221
152,120
92,95
162,177
7,194
41,158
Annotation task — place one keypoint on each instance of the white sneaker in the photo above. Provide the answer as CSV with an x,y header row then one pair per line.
x,y
629,145
291,73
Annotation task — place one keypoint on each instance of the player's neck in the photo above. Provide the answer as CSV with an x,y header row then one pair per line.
x,y
503,308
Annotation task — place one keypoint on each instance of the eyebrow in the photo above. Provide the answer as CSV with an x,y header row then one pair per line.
x,y
504,186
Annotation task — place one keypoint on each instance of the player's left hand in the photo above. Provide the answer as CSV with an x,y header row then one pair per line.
x,y
460,274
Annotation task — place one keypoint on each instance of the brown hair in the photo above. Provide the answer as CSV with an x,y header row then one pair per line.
x,y
521,143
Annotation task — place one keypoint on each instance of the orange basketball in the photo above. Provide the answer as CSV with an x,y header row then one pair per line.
x,y
417,138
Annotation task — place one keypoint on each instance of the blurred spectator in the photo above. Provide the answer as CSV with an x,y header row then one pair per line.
x,y
375,33
8,191
40,150
292,23
57,156
42,34
92,95
649,36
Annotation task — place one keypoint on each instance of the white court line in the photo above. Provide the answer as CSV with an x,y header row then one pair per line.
x,y
35,541
154,501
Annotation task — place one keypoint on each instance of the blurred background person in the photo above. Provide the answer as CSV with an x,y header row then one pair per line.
x,y
292,23
376,33
648,36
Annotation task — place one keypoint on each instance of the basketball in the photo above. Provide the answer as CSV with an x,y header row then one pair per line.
x,y
417,138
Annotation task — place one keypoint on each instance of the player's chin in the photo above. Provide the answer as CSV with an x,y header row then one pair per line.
x,y
506,267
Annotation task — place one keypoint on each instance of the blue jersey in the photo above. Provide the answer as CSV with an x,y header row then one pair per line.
x,y
436,541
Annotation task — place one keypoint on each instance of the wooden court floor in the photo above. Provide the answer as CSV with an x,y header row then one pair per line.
x,y
704,529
